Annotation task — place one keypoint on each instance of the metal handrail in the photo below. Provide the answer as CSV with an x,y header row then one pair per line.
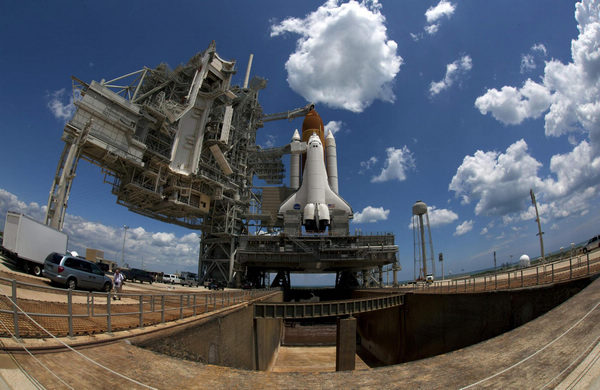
x,y
471,284
211,301
300,310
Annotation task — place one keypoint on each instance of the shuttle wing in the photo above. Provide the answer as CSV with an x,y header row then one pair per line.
x,y
296,201
335,202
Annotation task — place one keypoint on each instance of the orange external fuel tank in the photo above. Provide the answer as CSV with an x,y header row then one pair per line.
x,y
312,124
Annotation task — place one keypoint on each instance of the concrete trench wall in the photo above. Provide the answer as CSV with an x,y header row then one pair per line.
x,y
426,325
228,339
432,324
268,335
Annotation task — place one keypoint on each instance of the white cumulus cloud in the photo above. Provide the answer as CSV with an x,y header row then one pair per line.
x,y
539,47
443,8
159,251
10,202
434,14
366,165
454,72
163,239
371,214
500,182
432,29
464,227
575,171
343,57
270,141
529,60
333,126
527,63
570,93
440,217
512,106
398,162
57,106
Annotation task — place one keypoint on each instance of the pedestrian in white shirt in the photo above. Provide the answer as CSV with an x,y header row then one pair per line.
x,y
118,282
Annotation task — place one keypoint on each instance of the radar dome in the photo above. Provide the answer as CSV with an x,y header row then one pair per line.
x,y
524,261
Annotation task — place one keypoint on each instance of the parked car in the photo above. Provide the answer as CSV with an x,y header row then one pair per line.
x,y
592,244
171,278
188,279
140,275
217,285
75,273
246,285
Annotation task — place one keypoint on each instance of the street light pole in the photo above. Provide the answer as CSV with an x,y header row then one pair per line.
x,y
125,227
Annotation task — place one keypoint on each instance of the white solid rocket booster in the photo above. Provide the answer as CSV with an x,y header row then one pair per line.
x,y
295,165
331,155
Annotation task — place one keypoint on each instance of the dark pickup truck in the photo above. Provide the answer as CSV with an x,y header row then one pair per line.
x,y
140,275
215,284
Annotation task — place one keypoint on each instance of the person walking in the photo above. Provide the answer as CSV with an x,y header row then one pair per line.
x,y
118,282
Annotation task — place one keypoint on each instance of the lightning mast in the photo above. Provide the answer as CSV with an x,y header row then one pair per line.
x,y
537,219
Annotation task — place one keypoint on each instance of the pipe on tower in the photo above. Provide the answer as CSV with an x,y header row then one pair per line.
x,y
331,155
248,71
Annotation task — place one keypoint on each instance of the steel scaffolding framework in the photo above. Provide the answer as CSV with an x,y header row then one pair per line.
x,y
179,146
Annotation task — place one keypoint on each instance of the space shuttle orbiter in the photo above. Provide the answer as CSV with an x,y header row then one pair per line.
x,y
315,201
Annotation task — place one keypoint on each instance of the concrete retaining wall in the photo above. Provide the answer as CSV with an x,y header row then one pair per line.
x,y
268,335
431,324
226,339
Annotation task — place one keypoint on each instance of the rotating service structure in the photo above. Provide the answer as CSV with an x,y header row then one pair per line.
x,y
179,145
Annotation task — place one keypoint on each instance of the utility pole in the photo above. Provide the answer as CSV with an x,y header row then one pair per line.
x,y
441,258
537,219
494,261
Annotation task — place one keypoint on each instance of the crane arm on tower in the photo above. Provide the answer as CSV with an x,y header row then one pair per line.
x,y
288,114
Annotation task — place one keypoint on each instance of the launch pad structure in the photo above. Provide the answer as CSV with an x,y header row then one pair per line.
x,y
180,146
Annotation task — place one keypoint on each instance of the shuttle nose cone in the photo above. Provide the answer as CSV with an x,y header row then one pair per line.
x,y
314,138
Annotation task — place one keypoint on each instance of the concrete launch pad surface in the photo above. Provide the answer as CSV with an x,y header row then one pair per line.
x,y
543,352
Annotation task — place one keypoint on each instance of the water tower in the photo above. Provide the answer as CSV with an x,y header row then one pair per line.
x,y
424,261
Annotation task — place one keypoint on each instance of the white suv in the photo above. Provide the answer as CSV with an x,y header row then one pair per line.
x,y
171,278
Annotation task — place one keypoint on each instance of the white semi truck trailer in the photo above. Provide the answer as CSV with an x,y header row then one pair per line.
x,y
27,242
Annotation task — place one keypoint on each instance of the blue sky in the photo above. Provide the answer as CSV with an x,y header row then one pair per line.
x,y
464,105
